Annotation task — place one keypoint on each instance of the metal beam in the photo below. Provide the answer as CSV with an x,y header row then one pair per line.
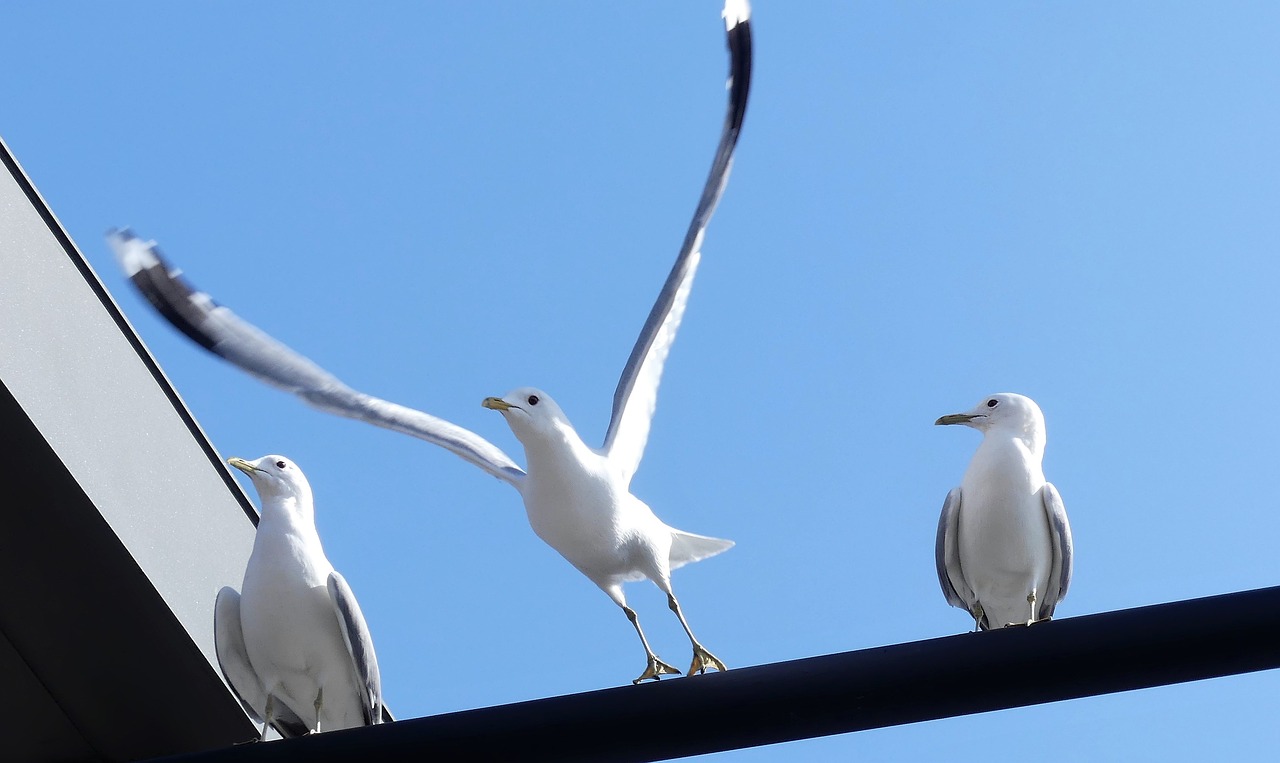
x,y
85,638
834,694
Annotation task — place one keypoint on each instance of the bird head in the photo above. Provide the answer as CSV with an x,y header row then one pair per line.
x,y
274,477
531,414
1017,415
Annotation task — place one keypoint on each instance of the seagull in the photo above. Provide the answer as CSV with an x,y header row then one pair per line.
x,y
579,501
1004,551
577,498
293,644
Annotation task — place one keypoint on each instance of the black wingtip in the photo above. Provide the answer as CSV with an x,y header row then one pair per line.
x,y
739,43
738,39
159,284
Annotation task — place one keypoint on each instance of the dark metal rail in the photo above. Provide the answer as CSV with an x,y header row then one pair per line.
x,y
834,694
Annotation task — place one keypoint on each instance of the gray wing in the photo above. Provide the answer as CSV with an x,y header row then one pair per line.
x,y
355,632
636,397
238,672
947,556
1063,550
225,334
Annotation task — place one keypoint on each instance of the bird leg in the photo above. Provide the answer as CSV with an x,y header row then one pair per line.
x,y
1031,615
319,703
656,667
978,614
270,714
702,659
1034,620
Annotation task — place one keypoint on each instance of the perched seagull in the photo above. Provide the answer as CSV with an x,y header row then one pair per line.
x,y
578,498
1004,545
293,644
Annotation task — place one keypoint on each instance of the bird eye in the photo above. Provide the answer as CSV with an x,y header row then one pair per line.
x,y
992,403
281,465
533,399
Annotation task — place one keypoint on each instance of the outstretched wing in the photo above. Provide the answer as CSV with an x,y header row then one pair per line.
x,y
637,394
238,672
946,554
355,633
1063,550
225,334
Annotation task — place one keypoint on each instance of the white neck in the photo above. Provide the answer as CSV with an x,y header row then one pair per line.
x,y
291,512
551,452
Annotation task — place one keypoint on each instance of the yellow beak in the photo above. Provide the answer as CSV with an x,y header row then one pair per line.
x,y
242,465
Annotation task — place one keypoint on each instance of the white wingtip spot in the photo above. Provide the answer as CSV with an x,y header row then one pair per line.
x,y
735,13
131,252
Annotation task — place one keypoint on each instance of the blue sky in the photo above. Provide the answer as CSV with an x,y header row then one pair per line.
x,y
440,202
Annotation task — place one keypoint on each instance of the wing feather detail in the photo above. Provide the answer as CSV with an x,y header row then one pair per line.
x,y
227,335
635,398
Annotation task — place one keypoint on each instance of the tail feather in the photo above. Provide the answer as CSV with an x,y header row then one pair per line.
x,y
687,547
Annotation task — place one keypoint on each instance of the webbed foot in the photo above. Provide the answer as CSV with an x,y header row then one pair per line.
x,y
656,669
702,659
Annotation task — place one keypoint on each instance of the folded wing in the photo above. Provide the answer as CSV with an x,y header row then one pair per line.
x,y
355,633
238,672
1063,550
947,556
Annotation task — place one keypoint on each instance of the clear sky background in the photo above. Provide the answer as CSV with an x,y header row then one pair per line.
x,y
931,202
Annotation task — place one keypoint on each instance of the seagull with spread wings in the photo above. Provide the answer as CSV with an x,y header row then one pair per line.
x,y
578,498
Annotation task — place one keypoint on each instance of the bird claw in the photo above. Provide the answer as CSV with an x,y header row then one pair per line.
x,y
655,670
1028,623
702,659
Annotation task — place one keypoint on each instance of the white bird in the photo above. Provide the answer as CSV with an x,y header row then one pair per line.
x,y
293,644
1004,551
579,501
577,498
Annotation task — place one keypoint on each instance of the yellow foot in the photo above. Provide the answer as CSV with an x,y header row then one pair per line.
x,y
1027,623
702,659
655,669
